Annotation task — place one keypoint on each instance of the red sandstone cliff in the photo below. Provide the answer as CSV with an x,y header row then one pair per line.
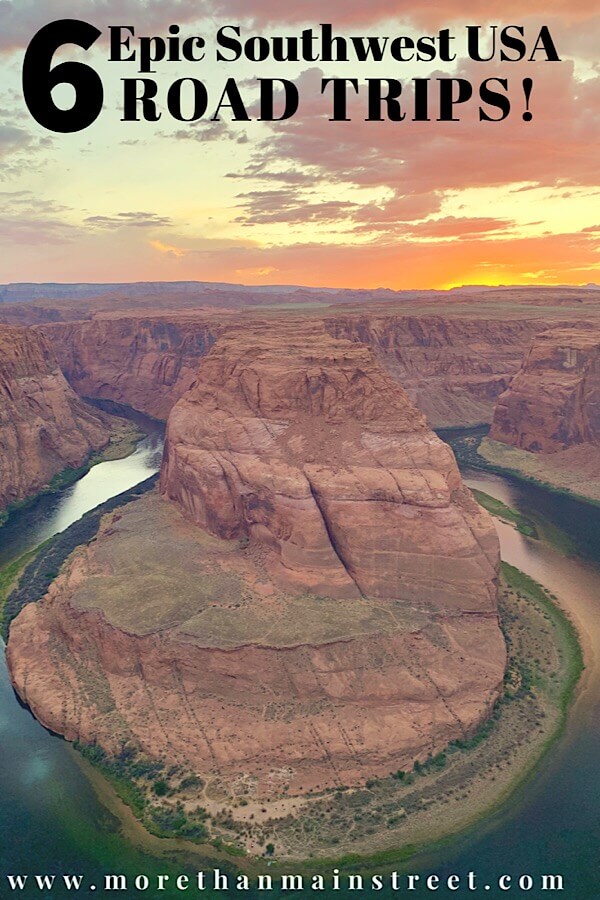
x,y
146,362
44,426
304,443
453,368
553,402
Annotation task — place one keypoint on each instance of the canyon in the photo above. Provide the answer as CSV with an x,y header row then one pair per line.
x,y
144,362
453,366
453,362
311,597
454,352
44,426
309,601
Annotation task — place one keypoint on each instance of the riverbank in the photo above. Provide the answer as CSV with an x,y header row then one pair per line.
x,y
124,438
79,817
445,794
10,576
573,473
505,513
27,579
413,809
474,449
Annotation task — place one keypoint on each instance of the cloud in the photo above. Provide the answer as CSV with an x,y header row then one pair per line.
x,y
400,263
168,249
12,140
440,12
291,207
258,272
420,163
129,220
461,227
400,208
26,220
21,19
205,132
185,248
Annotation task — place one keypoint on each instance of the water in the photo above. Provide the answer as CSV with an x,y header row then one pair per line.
x,y
52,513
50,816
52,821
552,824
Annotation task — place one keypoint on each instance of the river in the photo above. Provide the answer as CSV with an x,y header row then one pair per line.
x,y
51,820
49,813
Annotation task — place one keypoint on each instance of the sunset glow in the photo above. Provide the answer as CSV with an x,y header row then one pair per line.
x,y
307,201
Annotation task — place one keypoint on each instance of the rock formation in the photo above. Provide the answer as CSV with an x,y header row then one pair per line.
x,y
44,426
143,361
303,442
316,602
553,402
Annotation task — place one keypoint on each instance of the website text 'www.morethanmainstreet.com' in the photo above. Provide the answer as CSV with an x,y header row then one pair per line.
x,y
217,882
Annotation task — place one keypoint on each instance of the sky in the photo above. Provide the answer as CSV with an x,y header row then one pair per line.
x,y
361,204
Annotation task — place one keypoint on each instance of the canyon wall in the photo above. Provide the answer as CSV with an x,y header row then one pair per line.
x,y
452,368
44,426
145,362
311,603
553,402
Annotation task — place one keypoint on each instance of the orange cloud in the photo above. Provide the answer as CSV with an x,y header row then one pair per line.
x,y
168,249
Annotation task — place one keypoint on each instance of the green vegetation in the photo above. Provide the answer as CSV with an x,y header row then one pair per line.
x,y
160,788
545,663
466,446
506,513
474,772
140,782
572,653
10,575
540,470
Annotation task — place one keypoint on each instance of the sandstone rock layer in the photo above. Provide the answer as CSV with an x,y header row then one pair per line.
x,y
553,402
453,367
146,362
304,443
44,426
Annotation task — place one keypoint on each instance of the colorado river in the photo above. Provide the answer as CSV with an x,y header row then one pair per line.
x,y
50,817
551,824
52,821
